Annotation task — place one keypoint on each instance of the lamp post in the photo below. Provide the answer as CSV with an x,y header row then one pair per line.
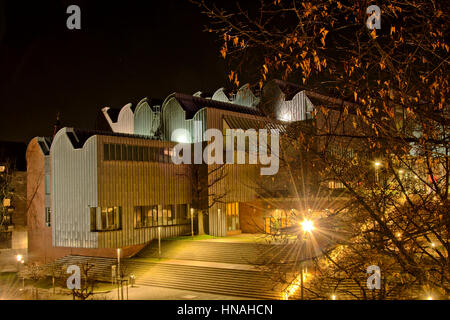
x,y
376,164
20,262
119,283
307,227
192,222
159,242
219,218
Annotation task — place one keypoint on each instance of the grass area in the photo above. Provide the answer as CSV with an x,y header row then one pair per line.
x,y
196,237
104,286
6,276
44,283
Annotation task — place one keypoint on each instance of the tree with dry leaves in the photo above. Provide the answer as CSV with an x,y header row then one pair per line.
x,y
380,129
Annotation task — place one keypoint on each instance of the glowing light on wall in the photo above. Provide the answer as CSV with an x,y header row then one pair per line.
x,y
307,225
181,136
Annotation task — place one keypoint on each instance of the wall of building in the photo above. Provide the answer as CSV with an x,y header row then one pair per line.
x,y
238,184
74,190
146,122
139,183
174,118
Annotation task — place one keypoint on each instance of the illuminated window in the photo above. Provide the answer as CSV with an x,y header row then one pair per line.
x,y
47,216
143,216
6,202
233,216
335,184
106,218
47,184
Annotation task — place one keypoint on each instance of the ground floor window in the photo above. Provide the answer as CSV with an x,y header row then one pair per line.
x,y
5,239
277,220
47,216
106,218
160,215
233,216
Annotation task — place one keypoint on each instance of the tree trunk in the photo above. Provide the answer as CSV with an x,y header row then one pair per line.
x,y
201,230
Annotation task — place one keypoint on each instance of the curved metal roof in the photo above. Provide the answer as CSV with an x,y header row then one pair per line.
x,y
192,104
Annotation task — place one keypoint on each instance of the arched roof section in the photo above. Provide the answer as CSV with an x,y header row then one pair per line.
x,y
146,121
220,95
122,122
245,96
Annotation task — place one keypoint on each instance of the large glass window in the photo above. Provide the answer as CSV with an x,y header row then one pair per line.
x,y
106,218
106,151
117,152
160,215
143,216
47,184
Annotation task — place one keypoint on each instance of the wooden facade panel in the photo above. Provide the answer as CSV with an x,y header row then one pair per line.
x,y
236,186
127,184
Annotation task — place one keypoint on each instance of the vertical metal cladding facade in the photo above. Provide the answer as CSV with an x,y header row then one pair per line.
x,y
82,179
238,185
146,122
295,109
127,184
174,118
74,190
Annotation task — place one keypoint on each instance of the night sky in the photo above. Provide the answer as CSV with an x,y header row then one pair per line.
x,y
125,51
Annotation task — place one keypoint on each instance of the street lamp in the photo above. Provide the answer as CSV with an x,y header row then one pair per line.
x,y
159,242
20,262
307,225
377,164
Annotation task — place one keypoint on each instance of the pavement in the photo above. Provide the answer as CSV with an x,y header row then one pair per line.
x,y
196,263
158,293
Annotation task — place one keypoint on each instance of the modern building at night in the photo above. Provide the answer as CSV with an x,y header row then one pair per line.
x,y
91,192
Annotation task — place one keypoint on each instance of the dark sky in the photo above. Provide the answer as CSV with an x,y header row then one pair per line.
x,y
125,51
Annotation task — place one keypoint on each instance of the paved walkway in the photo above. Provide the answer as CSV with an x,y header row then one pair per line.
x,y
244,237
200,263
157,293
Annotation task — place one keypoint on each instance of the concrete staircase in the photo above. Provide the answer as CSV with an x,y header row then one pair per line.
x,y
224,268
234,282
222,252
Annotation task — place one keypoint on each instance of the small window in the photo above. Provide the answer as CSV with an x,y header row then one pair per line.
x,y
47,184
145,155
169,213
155,215
130,153
112,152
106,152
118,152
161,155
93,212
152,154
124,152
160,215
106,218
47,216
